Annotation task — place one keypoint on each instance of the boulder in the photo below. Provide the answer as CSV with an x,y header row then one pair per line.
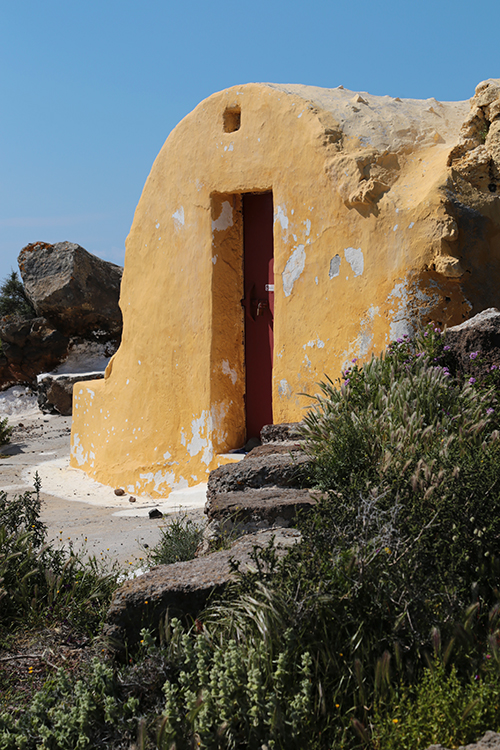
x,y
78,292
475,344
28,348
55,392
181,589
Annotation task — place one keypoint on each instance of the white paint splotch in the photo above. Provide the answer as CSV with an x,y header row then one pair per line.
x,y
284,389
354,256
334,266
228,370
293,269
178,217
225,219
280,215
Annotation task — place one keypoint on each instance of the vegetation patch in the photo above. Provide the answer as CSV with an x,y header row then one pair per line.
x,y
379,629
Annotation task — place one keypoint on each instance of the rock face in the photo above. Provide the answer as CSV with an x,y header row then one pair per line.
x,y
28,348
475,344
77,291
55,392
75,295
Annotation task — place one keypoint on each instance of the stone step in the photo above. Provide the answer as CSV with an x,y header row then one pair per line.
x,y
182,589
279,433
260,468
259,508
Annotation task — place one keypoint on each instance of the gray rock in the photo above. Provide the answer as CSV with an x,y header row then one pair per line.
x,y
273,469
29,347
182,589
266,506
478,334
55,392
77,291
489,741
278,433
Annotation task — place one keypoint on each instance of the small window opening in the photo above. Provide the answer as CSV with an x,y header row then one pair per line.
x,y
232,119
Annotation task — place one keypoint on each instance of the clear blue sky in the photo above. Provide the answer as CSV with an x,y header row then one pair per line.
x,y
90,89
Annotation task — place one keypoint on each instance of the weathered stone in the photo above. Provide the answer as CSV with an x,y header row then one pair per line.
x,y
260,507
481,335
279,433
78,291
29,347
182,589
275,469
286,448
55,392
489,741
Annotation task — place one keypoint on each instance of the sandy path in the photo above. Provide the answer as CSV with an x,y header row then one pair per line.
x,y
76,509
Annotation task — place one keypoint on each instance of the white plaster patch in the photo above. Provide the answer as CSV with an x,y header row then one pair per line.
x,y
334,266
284,389
308,227
225,219
395,227
293,269
320,344
411,225
157,225
354,256
77,450
214,259
161,479
178,217
227,370
280,215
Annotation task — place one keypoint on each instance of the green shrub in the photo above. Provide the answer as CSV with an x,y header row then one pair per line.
x,y
5,431
72,714
179,540
13,299
440,709
39,584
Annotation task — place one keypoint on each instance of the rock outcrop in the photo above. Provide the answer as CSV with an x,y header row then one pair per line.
x,y
28,348
77,291
474,346
75,295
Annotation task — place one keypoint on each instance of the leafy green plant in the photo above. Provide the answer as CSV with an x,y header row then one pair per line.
x,y
73,714
13,299
179,540
439,709
5,431
39,584
232,695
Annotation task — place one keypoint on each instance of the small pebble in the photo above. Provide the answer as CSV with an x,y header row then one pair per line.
x,y
119,491
131,499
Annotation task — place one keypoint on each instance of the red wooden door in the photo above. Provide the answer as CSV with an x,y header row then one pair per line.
x,y
259,309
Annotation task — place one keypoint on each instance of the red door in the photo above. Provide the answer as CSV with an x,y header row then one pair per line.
x,y
259,309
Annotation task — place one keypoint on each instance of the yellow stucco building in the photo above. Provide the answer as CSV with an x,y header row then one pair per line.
x,y
283,231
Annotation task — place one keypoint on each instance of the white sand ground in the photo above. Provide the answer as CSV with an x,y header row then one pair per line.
x,y
76,509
